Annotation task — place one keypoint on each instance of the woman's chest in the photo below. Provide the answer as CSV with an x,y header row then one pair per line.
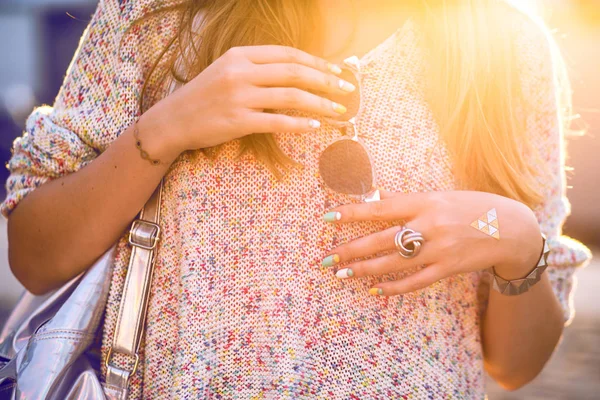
x,y
238,197
233,233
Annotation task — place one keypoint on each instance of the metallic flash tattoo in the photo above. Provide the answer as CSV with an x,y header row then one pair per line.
x,y
488,224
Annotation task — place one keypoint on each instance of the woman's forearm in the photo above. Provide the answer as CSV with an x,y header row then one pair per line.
x,y
520,332
59,229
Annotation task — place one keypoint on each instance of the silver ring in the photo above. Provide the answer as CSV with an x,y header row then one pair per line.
x,y
415,251
412,237
408,242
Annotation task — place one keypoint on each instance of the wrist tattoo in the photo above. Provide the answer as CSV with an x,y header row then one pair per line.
x,y
488,224
138,143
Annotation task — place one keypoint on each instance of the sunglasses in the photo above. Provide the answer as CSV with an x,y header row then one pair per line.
x,y
345,165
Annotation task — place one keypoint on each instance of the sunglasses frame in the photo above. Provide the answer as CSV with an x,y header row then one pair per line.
x,y
352,64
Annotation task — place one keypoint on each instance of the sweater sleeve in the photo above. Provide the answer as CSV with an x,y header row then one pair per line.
x,y
87,114
536,54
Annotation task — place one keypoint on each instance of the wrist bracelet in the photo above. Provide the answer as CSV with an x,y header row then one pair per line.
x,y
138,143
518,286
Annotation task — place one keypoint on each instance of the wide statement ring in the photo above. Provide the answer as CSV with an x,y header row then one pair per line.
x,y
408,242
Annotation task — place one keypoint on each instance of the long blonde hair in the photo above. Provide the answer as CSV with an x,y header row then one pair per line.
x,y
475,91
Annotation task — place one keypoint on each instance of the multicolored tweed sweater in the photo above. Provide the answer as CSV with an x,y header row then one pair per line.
x,y
240,307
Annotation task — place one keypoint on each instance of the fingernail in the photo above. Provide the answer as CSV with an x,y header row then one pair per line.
x,y
313,123
332,216
330,260
338,108
346,86
334,68
345,273
376,291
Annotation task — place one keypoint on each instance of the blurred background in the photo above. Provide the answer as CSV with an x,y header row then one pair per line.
x,y
38,39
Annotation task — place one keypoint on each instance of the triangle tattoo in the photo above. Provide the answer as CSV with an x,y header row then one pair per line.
x,y
488,224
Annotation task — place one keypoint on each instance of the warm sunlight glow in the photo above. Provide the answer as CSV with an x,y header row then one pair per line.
x,y
531,6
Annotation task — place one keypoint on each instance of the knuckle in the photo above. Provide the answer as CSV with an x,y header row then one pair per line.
x,y
439,222
291,98
416,284
229,74
294,74
234,118
319,63
437,201
237,98
274,124
325,104
349,252
265,123
328,82
361,268
233,52
382,242
345,253
290,54
377,209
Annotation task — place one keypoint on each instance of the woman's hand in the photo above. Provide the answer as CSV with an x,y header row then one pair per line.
x,y
227,100
452,246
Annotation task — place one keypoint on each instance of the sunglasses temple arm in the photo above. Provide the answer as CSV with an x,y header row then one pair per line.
x,y
352,122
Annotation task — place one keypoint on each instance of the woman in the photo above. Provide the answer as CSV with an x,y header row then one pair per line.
x,y
268,282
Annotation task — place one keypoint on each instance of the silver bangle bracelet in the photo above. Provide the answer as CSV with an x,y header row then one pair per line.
x,y
518,286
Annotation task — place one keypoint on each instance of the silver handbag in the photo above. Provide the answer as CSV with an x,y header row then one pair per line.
x,y
47,344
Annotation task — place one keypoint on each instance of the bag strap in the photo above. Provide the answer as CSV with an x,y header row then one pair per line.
x,y
143,237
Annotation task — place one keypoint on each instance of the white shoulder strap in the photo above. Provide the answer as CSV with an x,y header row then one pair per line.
x,y
143,237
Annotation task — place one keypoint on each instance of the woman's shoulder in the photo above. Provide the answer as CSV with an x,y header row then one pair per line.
x,y
536,56
135,9
532,40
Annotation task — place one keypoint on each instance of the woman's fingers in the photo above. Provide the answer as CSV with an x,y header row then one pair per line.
x,y
293,98
283,77
300,76
266,54
385,194
261,122
400,207
376,266
370,245
365,246
419,280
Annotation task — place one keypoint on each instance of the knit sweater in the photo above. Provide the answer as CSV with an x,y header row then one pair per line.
x,y
239,306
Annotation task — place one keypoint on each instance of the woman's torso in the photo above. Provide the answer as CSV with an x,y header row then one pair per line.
x,y
240,304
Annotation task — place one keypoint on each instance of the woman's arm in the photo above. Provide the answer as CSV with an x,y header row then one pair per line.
x,y
66,204
60,228
520,332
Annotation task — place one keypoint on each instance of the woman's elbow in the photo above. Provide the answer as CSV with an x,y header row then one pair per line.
x,y
24,263
27,276
512,382
515,376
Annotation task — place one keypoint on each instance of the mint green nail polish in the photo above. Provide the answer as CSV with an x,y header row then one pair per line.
x,y
345,273
332,216
330,260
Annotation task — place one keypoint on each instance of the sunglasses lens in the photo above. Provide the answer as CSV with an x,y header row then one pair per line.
x,y
351,100
346,168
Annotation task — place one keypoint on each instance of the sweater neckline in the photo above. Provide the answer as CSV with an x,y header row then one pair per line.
x,y
391,42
